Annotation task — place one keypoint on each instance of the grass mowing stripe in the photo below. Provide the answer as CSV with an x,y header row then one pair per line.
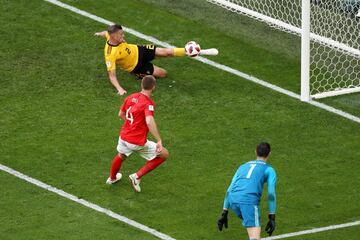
x,y
86,203
209,62
315,230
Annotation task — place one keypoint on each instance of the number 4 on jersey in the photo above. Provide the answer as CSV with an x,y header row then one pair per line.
x,y
129,116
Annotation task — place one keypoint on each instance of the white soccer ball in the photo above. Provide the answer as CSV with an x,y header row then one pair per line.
x,y
192,49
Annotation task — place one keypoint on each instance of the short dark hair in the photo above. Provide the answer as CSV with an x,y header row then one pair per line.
x,y
263,149
114,28
148,82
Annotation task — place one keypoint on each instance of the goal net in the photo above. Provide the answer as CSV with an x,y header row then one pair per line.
x,y
334,62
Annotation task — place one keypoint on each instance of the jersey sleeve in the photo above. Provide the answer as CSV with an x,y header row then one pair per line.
x,y
109,59
123,106
271,181
226,202
233,180
110,62
149,109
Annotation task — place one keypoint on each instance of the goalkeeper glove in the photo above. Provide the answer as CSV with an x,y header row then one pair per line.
x,y
270,227
223,220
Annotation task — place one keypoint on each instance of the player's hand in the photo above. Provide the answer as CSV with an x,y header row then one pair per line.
x,y
159,147
121,91
97,34
223,220
270,227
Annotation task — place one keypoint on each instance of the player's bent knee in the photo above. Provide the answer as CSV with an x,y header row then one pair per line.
x,y
164,73
164,154
160,73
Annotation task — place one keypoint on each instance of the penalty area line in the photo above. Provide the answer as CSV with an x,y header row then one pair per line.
x,y
209,62
85,203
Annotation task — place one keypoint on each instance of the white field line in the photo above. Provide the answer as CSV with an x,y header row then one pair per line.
x,y
315,230
209,62
85,203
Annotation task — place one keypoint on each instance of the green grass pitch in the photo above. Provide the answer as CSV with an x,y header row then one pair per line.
x,y
59,124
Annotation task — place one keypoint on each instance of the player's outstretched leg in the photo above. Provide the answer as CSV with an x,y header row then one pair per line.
x,y
148,167
170,52
114,170
181,52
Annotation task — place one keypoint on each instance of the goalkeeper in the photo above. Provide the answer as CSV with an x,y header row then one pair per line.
x,y
132,58
244,194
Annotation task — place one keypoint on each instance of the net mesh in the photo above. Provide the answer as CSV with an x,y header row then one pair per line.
x,y
335,36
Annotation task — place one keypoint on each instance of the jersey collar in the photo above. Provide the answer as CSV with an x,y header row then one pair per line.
x,y
112,44
260,160
145,95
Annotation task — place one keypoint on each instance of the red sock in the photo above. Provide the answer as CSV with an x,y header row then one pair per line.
x,y
149,166
115,166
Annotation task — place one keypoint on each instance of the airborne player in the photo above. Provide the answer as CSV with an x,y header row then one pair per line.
x,y
137,59
132,58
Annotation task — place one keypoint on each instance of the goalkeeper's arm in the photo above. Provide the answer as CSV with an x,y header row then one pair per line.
x,y
271,180
226,202
223,220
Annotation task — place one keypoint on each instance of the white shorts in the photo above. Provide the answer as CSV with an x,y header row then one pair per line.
x,y
148,151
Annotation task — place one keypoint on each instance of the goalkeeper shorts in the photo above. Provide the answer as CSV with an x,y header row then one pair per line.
x,y
249,213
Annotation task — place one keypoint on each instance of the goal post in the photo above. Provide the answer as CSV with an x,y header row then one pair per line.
x,y
305,51
330,39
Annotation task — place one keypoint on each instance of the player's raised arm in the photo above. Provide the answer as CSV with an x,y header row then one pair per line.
x,y
100,34
115,83
150,121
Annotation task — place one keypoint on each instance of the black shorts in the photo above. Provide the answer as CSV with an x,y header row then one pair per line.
x,y
144,65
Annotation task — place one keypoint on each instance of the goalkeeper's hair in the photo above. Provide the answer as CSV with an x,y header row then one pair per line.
x,y
263,149
114,28
148,82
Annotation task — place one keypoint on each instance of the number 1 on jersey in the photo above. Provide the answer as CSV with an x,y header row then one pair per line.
x,y
129,116
252,166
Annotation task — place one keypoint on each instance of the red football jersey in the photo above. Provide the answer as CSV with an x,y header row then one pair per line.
x,y
136,107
